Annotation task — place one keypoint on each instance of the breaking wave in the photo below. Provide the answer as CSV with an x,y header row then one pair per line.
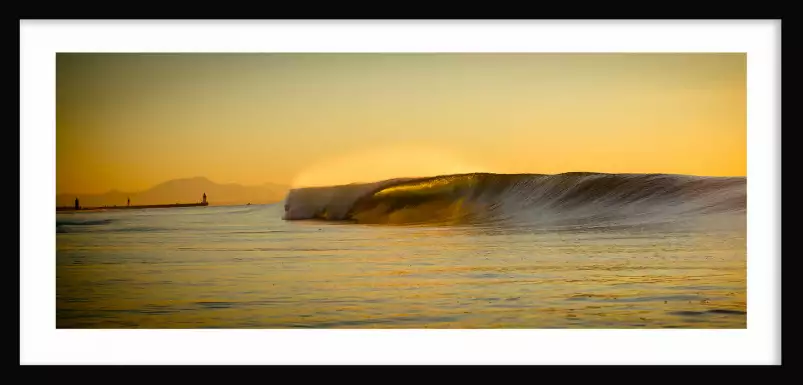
x,y
525,199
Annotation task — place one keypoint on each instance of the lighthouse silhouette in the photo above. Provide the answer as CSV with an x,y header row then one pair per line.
x,y
204,201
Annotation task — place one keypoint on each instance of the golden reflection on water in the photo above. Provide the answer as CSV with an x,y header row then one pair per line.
x,y
428,186
273,274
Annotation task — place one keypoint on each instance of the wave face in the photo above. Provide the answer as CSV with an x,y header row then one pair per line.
x,y
523,199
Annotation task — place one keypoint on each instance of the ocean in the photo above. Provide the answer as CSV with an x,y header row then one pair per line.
x,y
576,250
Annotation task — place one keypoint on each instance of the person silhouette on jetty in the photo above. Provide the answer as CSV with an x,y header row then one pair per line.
x,y
76,203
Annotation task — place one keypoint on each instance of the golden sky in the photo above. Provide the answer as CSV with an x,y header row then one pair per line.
x,y
130,121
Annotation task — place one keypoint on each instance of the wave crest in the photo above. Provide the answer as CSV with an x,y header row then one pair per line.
x,y
561,199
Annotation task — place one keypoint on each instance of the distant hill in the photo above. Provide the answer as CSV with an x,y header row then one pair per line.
x,y
187,190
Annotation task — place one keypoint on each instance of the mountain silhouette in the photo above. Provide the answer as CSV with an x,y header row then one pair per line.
x,y
188,190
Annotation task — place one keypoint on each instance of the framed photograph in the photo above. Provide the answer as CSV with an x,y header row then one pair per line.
x,y
410,184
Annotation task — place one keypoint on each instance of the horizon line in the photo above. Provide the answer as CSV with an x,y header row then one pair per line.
x,y
290,186
175,179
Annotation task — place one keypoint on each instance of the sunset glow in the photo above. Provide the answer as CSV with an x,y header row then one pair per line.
x,y
130,121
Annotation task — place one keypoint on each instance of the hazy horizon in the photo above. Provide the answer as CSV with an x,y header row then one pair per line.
x,y
181,190
197,177
130,121
116,190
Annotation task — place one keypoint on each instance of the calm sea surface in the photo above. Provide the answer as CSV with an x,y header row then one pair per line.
x,y
245,267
